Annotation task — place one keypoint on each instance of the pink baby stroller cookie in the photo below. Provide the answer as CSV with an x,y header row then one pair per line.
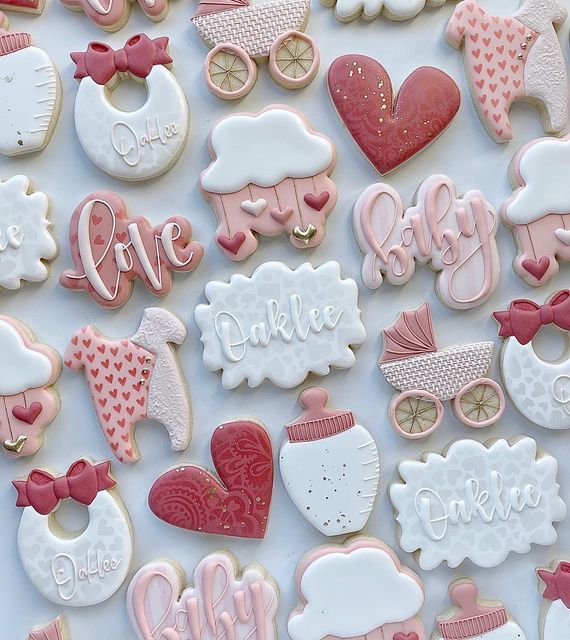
x,y
269,174
512,58
28,371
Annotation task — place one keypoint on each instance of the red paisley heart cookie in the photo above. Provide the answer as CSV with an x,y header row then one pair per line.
x,y
391,130
237,504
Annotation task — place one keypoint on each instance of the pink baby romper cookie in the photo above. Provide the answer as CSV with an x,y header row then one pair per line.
x,y
554,586
380,597
110,250
28,401
511,58
112,15
239,34
133,379
269,175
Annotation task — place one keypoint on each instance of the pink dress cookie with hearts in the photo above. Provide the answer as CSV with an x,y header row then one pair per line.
x,y
28,401
269,175
512,58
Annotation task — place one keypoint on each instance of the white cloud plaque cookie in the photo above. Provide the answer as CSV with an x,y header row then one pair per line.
x,y
280,324
477,501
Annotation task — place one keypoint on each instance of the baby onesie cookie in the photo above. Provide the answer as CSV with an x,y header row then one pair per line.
x,y
26,242
237,501
390,129
110,250
269,175
472,618
512,58
412,363
280,324
68,569
446,506
239,34
133,379
28,401
241,603
554,586
330,466
454,234
30,93
347,10
539,389
130,145
112,15
380,597
538,211
55,630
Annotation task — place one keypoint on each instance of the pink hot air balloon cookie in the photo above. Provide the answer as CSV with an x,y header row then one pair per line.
x,y
554,585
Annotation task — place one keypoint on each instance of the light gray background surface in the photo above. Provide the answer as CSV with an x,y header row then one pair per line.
x,y
63,171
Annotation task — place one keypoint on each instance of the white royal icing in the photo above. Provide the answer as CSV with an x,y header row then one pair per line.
x,y
29,86
264,149
25,239
83,570
280,324
450,509
544,168
539,389
20,368
133,145
556,622
396,9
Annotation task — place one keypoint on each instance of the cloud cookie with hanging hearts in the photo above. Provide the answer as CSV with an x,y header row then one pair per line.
x,y
236,503
390,129
269,174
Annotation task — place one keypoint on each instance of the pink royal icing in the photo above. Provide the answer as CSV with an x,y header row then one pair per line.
x,y
55,630
557,583
112,14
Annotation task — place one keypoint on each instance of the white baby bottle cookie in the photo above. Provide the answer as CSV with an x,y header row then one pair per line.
x,y
130,145
554,585
30,94
330,466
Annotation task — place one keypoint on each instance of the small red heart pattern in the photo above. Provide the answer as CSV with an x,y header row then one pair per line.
x,y
496,50
389,130
236,504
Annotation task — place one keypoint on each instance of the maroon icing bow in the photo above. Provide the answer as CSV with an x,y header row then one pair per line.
x,y
82,482
557,583
100,62
524,318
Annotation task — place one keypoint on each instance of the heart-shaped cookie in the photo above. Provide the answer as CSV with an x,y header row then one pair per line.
x,y
236,504
391,130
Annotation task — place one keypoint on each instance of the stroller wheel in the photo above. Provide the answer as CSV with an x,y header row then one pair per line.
x,y
293,60
230,72
415,414
480,403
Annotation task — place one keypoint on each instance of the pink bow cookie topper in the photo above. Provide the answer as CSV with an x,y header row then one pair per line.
x,y
557,583
524,318
82,483
100,62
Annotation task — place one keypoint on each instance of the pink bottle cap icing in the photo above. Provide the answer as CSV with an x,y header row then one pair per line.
x,y
10,42
317,421
473,618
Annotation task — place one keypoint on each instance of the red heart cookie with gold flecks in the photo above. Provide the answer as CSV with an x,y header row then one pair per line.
x,y
236,504
391,130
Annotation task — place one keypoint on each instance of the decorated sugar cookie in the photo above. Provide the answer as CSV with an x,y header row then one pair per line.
x,y
131,145
540,389
28,401
538,211
390,129
449,509
55,630
512,58
110,250
26,6
454,234
280,324
330,466
380,597
68,569
269,175
133,379
112,15
26,242
554,585
236,504
425,376
242,603
347,10
473,619
239,34
30,92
